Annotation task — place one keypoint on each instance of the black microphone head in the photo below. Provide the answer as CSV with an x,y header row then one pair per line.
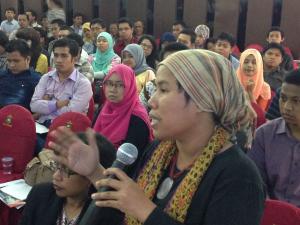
x,y
127,153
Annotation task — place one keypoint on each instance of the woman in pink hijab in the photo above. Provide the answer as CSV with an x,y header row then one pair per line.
x,y
123,118
250,73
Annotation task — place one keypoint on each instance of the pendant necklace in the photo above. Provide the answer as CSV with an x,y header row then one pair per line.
x,y
166,186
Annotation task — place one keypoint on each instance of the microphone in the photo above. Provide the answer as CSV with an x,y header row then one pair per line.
x,y
126,155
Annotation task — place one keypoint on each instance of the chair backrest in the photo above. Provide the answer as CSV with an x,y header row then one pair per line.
x,y
280,213
17,135
77,122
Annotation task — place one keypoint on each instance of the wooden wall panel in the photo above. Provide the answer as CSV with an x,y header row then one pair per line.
x,y
109,10
290,23
164,16
259,20
8,3
194,12
226,16
137,10
85,7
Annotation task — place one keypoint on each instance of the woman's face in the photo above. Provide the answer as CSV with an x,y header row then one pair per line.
x,y
199,40
69,185
172,116
102,44
147,47
87,33
128,60
114,89
250,66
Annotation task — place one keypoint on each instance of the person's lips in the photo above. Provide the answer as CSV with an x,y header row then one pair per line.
x,y
154,119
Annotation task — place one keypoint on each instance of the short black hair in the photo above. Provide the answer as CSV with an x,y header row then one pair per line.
x,y
276,46
125,20
209,40
276,28
41,31
78,14
33,13
68,28
59,22
179,22
18,45
98,21
3,39
11,9
224,36
293,77
77,38
172,47
190,32
69,43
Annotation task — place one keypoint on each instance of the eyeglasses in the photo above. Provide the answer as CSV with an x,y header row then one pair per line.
x,y
64,171
110,84
146,46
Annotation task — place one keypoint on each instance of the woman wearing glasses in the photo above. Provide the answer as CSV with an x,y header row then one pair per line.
x,y
65,200
123,118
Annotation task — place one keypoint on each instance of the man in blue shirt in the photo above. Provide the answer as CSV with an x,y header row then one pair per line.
x,y
18,82
10,24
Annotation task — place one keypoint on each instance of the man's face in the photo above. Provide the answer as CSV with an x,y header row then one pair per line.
x,y
125,31
55,30
176,29
23,21
31,18
223,47
272,58
289,103
77,21
138,28
17,63
275,37
186,40
96,29
63,60
9,15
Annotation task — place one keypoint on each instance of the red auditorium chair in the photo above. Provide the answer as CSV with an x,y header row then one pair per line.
x,y
280,213
77,122
17,139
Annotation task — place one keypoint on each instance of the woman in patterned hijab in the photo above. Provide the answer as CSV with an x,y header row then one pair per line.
x,y
196,174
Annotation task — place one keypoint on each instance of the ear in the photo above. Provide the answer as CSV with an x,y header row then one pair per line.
x,y
282,39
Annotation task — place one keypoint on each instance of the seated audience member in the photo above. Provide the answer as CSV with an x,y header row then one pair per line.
x,y
250,73
123,118
138,29
18,81
125,35
64,89
187,37
133,56
276,147
166,39
3,53
39,62
87,38
43,42
82,63
224,45
273,110
150,49
113,30
196,171
33,18
10,24
276,35
77,23
23,21
65,200
210,44
150,87
272,58
105,57
202,34
177,27
55,26
97,26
